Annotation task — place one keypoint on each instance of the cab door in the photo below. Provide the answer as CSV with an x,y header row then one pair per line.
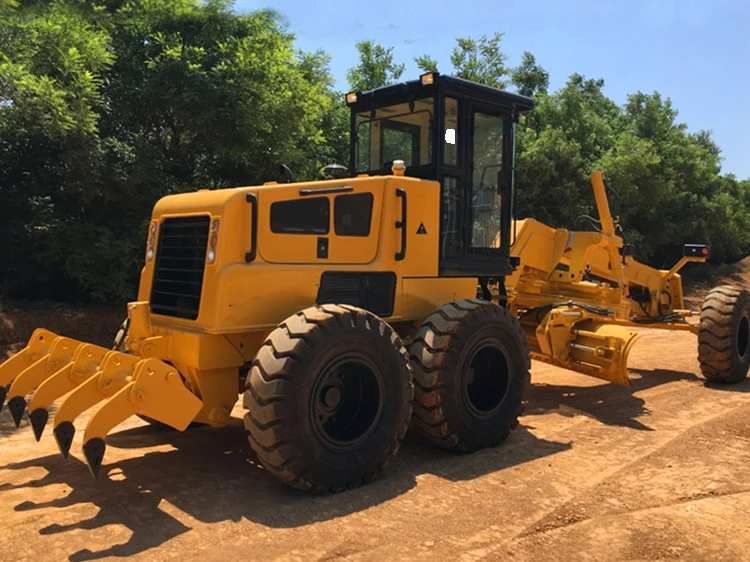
x,y
312,224
483,197
472,202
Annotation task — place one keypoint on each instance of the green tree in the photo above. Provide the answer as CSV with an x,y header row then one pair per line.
x,y
426,63
667,182
577,126
52,58
105,109
529,78
375,69
481,60
335,117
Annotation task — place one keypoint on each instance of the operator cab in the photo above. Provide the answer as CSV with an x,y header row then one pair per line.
x,y
460,134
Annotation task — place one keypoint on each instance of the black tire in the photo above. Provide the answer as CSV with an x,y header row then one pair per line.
x,y
315,368
452,408
724,334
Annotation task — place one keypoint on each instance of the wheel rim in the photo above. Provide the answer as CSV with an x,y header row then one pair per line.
x,y
743,337
485,379
347,402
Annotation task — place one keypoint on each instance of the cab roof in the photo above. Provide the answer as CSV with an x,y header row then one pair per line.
x,y
448,85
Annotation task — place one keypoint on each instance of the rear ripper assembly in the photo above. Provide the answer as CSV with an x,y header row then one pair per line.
x,y
125,384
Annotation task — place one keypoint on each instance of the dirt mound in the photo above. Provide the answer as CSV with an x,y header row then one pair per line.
x,y
696,288
90,324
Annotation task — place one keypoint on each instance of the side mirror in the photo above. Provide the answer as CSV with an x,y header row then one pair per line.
x,y
285,174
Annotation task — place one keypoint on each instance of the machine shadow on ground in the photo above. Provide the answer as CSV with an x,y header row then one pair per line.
x,y
743,386
213,476
608,403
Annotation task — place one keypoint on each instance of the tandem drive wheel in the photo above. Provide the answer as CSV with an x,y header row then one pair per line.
x,y
328,398
724,334
471,371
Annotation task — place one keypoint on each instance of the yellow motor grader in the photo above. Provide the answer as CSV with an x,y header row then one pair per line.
x,y
347,309
303,296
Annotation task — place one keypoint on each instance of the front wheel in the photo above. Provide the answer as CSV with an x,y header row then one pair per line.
x,y
724,334
471,371
328,398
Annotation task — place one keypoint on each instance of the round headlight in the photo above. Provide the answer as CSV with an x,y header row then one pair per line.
x,y
211,256
150,253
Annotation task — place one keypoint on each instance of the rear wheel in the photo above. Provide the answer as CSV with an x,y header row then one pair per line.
x,y
724,334
471,371
328,398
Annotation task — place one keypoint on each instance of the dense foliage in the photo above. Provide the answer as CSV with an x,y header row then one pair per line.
x,y
107,105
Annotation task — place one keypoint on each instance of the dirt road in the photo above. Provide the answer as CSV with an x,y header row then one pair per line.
x,y
594,472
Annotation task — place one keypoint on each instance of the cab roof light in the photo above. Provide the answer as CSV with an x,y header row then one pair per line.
x,y
351,98
427,79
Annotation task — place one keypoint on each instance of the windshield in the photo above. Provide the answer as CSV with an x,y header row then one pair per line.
x,y
394,133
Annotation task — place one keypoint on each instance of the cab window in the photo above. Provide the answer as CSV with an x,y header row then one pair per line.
x,y
352,214
301,216
484,203
395,132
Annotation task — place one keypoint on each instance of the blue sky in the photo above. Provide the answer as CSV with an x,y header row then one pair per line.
x,y
696,52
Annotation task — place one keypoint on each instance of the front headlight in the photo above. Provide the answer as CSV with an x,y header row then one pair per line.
x,y
151,241
212,241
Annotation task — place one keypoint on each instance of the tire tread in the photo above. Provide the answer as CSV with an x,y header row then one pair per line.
x,y
428,351
720,314
269,433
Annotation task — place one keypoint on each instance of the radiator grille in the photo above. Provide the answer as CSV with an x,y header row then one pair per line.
x,y
178,271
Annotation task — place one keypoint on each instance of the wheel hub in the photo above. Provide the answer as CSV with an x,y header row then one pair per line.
x,y
743,337
486,378
347,402
331,398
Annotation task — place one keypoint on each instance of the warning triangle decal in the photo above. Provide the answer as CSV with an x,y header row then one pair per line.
x,y
421,229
